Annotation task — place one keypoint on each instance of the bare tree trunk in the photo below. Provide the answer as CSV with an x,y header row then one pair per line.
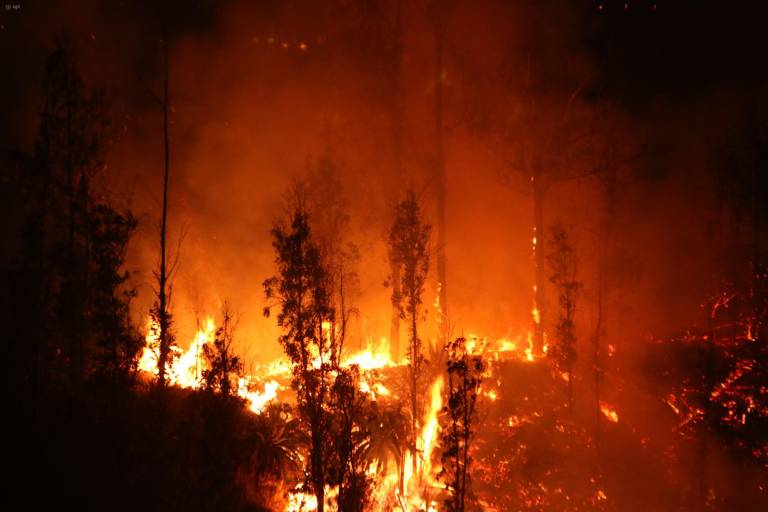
x,y
440,184
465,449
163,276
319,471
604,241
597,370
540,276
74,308
455,439
338,347
709,385
397,153
757,284
394,328
320,495
413,382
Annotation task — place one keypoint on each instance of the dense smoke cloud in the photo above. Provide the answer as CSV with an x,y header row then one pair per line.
x,y
262,92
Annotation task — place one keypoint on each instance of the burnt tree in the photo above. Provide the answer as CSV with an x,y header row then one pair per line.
x,y
161,310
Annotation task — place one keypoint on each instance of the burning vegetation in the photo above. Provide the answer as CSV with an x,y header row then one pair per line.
x,y
488,288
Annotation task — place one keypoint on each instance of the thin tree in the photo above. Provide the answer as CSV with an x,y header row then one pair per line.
x,y
439,13
409,252
350,440
607,167
301,291
224,366
551,132
605,158
563,267
161,310
398,121
330,223
465,376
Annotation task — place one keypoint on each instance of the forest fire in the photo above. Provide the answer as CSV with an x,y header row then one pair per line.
x,y
609,413
187,367
377,255
419,479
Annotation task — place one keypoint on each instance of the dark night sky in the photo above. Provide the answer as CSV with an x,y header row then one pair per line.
x,y
677,49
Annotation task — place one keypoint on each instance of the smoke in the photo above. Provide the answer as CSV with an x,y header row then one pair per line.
x,y
261,90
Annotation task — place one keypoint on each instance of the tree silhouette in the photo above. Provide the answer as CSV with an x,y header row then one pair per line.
x,y
117,340
224,367
563,266
409,252
330,224
161,309
76,292
350,438
70,151
465,376
438,11
301,290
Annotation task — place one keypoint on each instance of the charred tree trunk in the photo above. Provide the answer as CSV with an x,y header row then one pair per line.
x,y
540,276
758,277
597,370
397,154
408,248
394,328
709,384
414,369
604,241
570,394
338,347
440,185
163,316
74,306
318,471
466,434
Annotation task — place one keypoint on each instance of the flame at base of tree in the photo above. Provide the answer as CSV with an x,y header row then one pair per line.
x,y
270,382
535,423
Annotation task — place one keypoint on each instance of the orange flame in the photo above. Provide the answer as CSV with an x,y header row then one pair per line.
x,y
609,412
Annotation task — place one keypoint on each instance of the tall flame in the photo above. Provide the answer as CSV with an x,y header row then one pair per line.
x,y
609,412
429,433
185,370
262,387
